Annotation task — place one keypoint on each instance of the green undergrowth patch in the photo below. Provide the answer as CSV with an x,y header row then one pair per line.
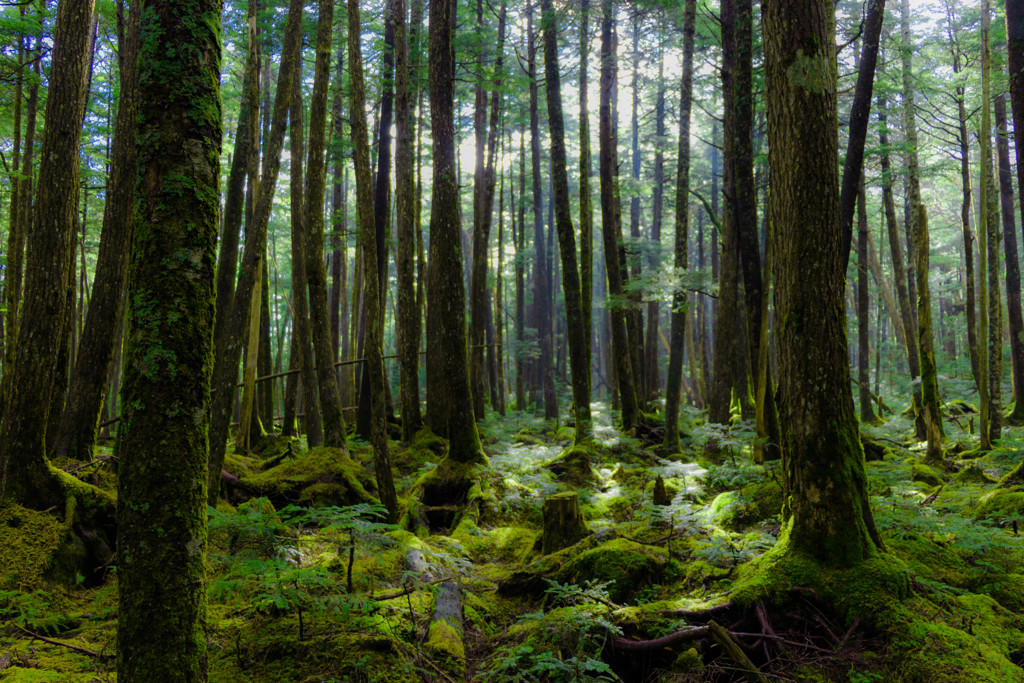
x,y
323,476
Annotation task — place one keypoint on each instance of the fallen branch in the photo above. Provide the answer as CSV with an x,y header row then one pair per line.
x,y
81,650
732,646
664,641
697,614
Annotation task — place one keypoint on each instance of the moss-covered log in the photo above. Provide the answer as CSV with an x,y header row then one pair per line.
x,y
163,445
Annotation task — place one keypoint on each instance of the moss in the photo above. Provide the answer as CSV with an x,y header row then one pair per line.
x,y
527,438
563,522
443,639
735,510
509,545
629,565
574,466
688,662
425,448
1001,504
925,474
929,651
972,474
930,560
564,434
29,541
304,479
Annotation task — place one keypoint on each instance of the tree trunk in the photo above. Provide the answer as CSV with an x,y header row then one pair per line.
x,y
867,411
407,324
373,349
651,366
225,368
1015,58
995,307
586,205
25,474
1013,300
826,515
77,429
520,245
316,273
985,417
579,359
611,223
447,298
161,559
929,378
682,225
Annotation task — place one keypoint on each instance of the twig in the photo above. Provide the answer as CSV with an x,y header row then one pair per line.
x,y
407,590
697,613
784,641
82,650
85,463
732,646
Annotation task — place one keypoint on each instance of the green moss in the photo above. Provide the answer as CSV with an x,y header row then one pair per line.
x,y
574,466
972,474
325,476
443,639
926,475
930,560
689,662
425,448
735,510
630,565
1001,504
29,541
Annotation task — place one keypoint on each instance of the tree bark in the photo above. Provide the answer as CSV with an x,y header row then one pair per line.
x,y
827,515
985,417
226,362
579,359
651,366
161,545
77,428
867,411
1013,300
673,383
1015,59
586,203
929,375
447,299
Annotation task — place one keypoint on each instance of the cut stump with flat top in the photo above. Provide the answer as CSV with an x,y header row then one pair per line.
x,y
563,523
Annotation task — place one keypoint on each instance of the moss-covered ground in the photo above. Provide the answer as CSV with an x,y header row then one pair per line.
x,y
306,583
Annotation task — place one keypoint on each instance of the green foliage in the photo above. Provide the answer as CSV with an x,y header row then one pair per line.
x,y
34,611
565,642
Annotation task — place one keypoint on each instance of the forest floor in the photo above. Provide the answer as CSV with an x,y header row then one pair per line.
x,y
307,584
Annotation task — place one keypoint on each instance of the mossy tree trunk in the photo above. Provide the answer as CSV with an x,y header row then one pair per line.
x,y
373,349
407,324
985,406
867,410
673,383
163,445
652,370
226,362
25,474
929,375
995,308
481,230
446,296
563,522
76,432
541,294
316,271
611,222
586,203
827,515
1015,59
579,358
1013,299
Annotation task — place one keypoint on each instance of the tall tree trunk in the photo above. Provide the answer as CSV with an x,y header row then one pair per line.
x,y
447,298
541,293
520,245
25,474
929,378
682,225
995,308
611,223
985,417
1013,301
161,543
478,276
867,411
311,421
76,432
226,362
579,359
316,274
826,514
651,367
1015,59
634,320
373,349
407,324
586,204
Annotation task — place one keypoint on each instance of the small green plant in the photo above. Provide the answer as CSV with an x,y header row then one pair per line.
x,y
565,642
32,611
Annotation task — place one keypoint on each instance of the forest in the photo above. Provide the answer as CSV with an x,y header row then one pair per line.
x,y
448,340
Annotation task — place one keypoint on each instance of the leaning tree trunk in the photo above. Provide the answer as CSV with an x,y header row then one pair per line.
x,y
826,515
76,432
25,474
682,225
611,223
161,558
225,368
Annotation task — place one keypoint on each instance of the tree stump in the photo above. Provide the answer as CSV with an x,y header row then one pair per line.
x,y
661,496
563,523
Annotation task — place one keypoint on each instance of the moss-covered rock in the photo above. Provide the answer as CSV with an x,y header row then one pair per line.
x,y
630,566
972,474
735,510
574,466
31,545
1001,504
925,474
324,476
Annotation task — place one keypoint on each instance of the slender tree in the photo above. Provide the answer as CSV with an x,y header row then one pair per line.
x,y
1013,298
161,545
682,224
985,417
579,359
